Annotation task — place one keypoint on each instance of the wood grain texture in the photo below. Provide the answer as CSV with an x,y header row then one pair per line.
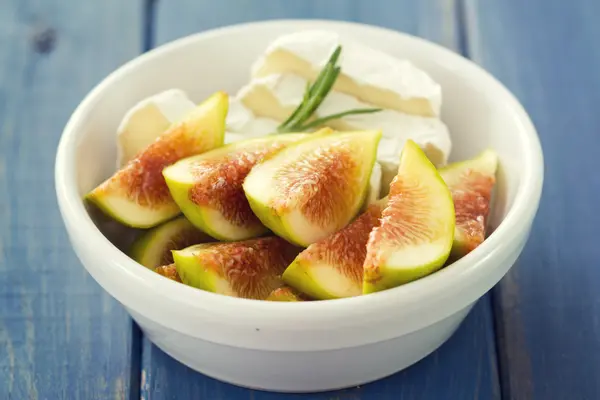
x,y
61,336
548,307
463,368
432,19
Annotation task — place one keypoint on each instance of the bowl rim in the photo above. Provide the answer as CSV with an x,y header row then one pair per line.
x,y
434,287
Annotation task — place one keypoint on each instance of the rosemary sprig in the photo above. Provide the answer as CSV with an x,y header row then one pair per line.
x,y
313,102
326,118
314,96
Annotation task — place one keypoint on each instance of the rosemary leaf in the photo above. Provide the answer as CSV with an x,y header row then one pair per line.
x,y
314,95
284,125
326,118
315,101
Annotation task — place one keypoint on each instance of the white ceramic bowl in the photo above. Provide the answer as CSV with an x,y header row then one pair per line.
x,y
306,346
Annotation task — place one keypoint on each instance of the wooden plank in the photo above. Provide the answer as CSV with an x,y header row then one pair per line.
x,y
463,368
466,365
61,336
548,307
434,20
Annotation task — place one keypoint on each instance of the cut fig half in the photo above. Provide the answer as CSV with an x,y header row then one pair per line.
x,y
149,119
250,269
416,229
137,195
153,248
332,268
313,187
208,187
285,293
168,271
471,183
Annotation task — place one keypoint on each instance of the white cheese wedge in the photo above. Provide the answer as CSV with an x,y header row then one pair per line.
x,y
374,190
276,96
147,120
370,75
242,124
431,134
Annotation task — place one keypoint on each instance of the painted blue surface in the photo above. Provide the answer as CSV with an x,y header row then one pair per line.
x,y
463,368
548,308
61,336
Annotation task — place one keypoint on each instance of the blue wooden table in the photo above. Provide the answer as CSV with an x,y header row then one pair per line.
x,y
535,336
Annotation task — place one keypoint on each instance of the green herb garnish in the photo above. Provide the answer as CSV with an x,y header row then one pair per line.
x,y
314,96
326,118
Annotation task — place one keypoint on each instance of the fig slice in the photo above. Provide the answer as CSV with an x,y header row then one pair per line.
x,y
416,227
147,120
313,187
208,187
285,293
249,269
471,183
332,267
153,248
137,195
168,271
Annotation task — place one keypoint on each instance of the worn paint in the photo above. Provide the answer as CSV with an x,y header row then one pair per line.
x,y
546,52
61,336
53,314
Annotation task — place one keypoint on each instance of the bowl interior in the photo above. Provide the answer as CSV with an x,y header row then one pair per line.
x,y
478,111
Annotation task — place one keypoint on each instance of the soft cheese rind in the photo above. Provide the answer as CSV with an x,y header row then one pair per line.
x,y
147,120
368,74
242,123
273,96
374,190
276,96
431,134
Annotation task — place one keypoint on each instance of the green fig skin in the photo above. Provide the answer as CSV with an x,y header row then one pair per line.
x,y
208,187
471,183
137,195
301,216
153,248
332,268
248,269
416,230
